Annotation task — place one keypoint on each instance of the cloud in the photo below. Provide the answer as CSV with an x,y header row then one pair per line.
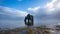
x,y
11,18
35,9
52,6
51,10
12,12
50,14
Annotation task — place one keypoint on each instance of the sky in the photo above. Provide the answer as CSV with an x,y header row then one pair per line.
x,y
13,12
